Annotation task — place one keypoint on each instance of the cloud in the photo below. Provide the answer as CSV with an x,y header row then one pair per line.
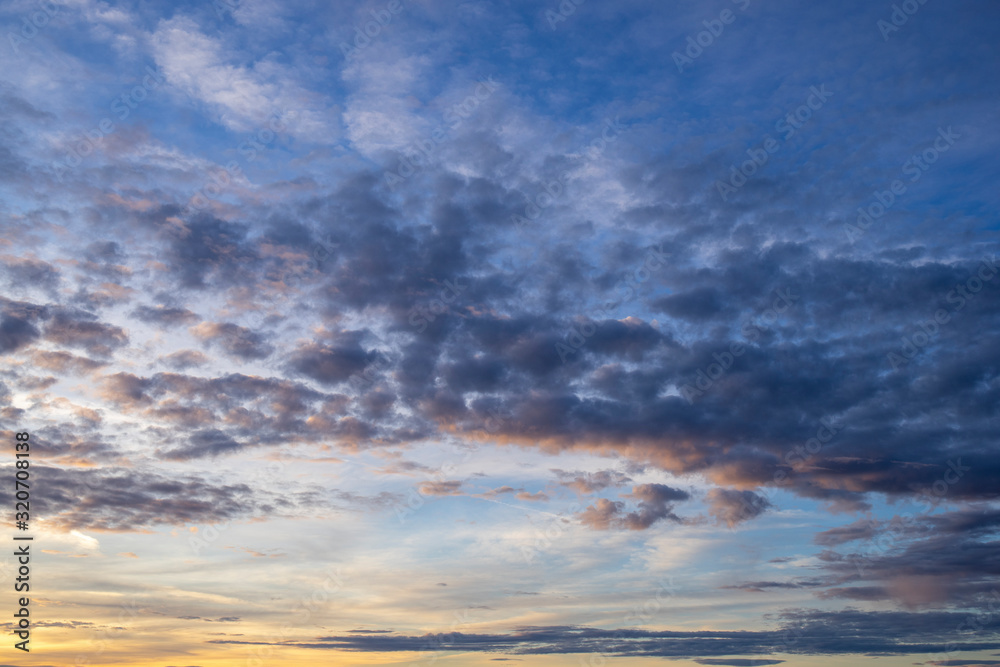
x,y
164,316
203,249
602,514
520,494
332,364
403,312
210,442
121,499
243,98
17,324
65,363
212,416
918,561
492,493
586,483
761,586
737,662
185,359
655,503
733,507
15,333
76,328
234,340
859,530
30,272
451,488
825,633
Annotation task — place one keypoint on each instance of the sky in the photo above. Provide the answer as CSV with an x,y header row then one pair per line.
x,y
411,332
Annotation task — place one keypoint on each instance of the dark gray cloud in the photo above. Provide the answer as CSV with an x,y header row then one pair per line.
x,y
122,499
209,442
80,329
185,359
164,316
655,502
65,363
205,249
15,332
222,415
859,530
489,363
761,586
234,340
23,323
917,561
733,507
18,320
31,273
332,364
801,632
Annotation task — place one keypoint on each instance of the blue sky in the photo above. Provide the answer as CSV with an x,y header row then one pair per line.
x,y
645,332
